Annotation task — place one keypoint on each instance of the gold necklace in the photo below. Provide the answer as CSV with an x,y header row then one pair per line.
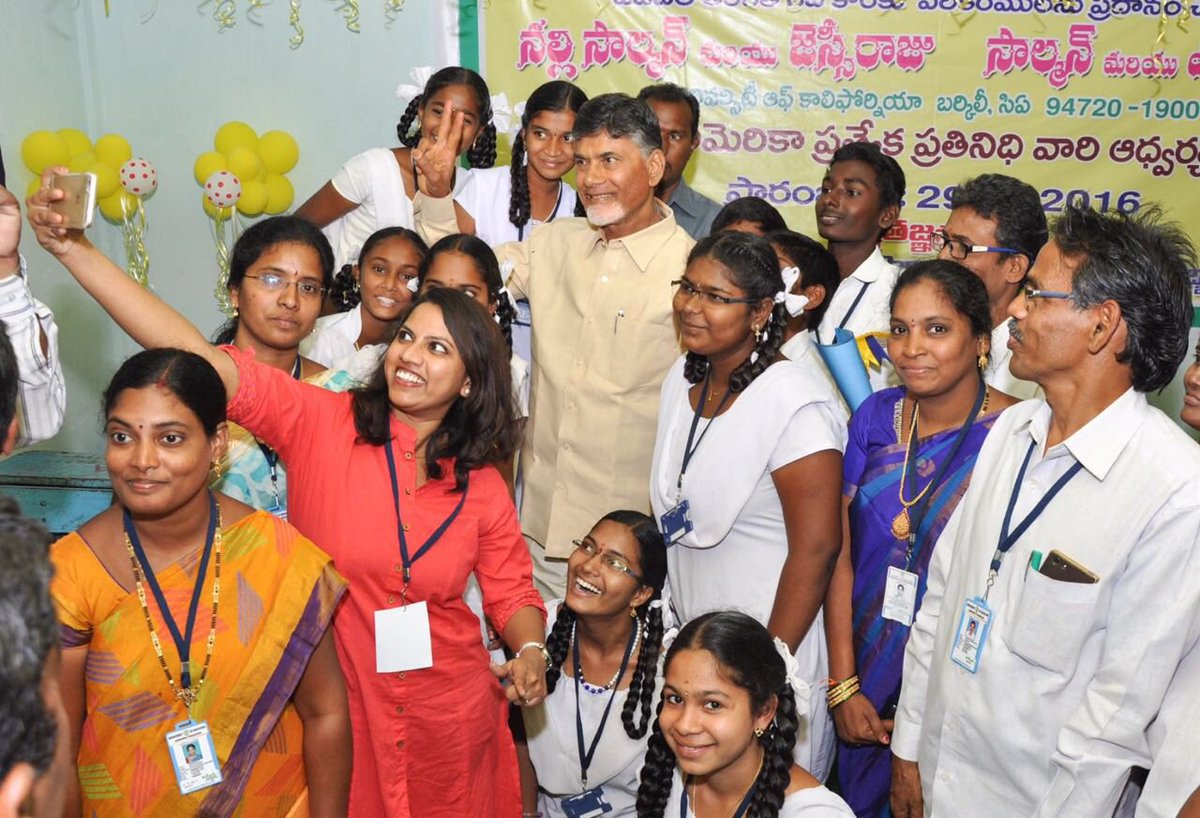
x,y
187,695
741,798
902,522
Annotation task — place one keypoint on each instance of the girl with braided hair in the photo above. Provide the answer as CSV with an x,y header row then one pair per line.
x,y
375,189
605,644
747,463
732,706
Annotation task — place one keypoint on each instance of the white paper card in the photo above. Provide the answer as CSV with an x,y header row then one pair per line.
x,y
900,596
402,638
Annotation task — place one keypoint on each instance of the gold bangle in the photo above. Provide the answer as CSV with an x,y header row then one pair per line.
x,y
843,690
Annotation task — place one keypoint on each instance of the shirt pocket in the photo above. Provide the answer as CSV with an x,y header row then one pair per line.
x,y
643,352
1052,621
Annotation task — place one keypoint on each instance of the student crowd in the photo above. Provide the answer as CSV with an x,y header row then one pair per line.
x,y
499,497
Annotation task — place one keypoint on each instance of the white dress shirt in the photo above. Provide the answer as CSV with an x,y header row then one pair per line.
x,y
42,394
997,374
333,337
1070,675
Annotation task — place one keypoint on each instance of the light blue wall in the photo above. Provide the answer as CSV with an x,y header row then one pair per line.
x,y
166,84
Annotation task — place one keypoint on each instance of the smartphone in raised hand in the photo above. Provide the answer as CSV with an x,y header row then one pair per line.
x,y
78,207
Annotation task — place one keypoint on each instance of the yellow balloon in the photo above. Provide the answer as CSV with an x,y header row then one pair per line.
x,y
43,149
108,180
234,135
77,141
279,151
115,207
207,164
244,163
279,194
82,162
114,150
254,198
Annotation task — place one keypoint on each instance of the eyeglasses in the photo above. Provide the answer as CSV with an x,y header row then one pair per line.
x,y
687,289
960,249
274,283
1033,292
608,560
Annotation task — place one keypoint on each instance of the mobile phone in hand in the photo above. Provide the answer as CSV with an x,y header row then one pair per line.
x,y
78,207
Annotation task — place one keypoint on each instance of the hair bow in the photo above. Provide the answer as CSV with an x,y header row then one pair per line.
x,y
801,689
502,296
406,92
794,304
502,115
413,285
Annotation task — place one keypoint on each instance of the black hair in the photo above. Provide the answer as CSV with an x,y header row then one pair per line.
x,y
190,378
964,290
652,556
488,267
30,626
10,382
261,237
478,429
747,657
749,209
754,268
1142,263
619,116
889,176
817,267
481,154
345,293
1013,205
557,95
670,92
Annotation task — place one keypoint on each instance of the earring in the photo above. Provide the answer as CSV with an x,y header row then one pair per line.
x,y
216,470
235,313
632,612
356,285
757,334
758,732
983,361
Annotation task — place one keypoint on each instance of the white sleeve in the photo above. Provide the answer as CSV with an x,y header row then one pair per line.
x,y
353,179
813,428
42,392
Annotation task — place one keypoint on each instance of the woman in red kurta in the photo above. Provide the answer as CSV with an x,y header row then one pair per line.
x,y
432,741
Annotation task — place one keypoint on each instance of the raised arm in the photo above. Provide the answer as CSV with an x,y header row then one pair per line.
x,y
325,206
145,317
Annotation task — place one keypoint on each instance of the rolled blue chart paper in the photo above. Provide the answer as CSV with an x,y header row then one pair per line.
x,y
847,367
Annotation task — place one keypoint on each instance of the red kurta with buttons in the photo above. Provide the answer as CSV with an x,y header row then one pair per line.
x,y
431,742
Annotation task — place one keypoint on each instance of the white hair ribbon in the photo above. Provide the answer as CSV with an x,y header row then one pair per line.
x,y
407,92
501,297
801,689
794,304
502,115
413,285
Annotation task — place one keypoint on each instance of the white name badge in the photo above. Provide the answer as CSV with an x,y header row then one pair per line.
x,y
972,634
402,638
194,757
900,596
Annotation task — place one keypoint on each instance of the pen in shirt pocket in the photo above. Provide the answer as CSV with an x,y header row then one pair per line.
x,y
1035,561
617,320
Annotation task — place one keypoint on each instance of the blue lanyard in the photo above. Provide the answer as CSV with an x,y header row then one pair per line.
x,y
1008,539
739,813
270,454
434,537
917,515
854,304
688,448
183,642
585,757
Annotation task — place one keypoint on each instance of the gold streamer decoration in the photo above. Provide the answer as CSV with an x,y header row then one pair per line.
x,y
349,11
254,11
391,10
133,230
225,13
297,39
221,293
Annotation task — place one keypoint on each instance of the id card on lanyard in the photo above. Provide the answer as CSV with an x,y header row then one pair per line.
x,y
403,640
975,621
677,521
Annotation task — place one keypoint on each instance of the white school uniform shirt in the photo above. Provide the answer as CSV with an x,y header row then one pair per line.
x,y
874,279
732,558
802,349
554,747
333,337
814,802
41,391
1070,675
998,376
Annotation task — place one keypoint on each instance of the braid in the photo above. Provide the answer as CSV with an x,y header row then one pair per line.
x,y
557,644
404,127
483,152
580,210
767,349
519,208
641,687
654,787
344,293
695,367
778,743
506,313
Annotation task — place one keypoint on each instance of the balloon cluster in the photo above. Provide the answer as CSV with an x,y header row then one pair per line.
x,y
246,171
244,174
122,181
